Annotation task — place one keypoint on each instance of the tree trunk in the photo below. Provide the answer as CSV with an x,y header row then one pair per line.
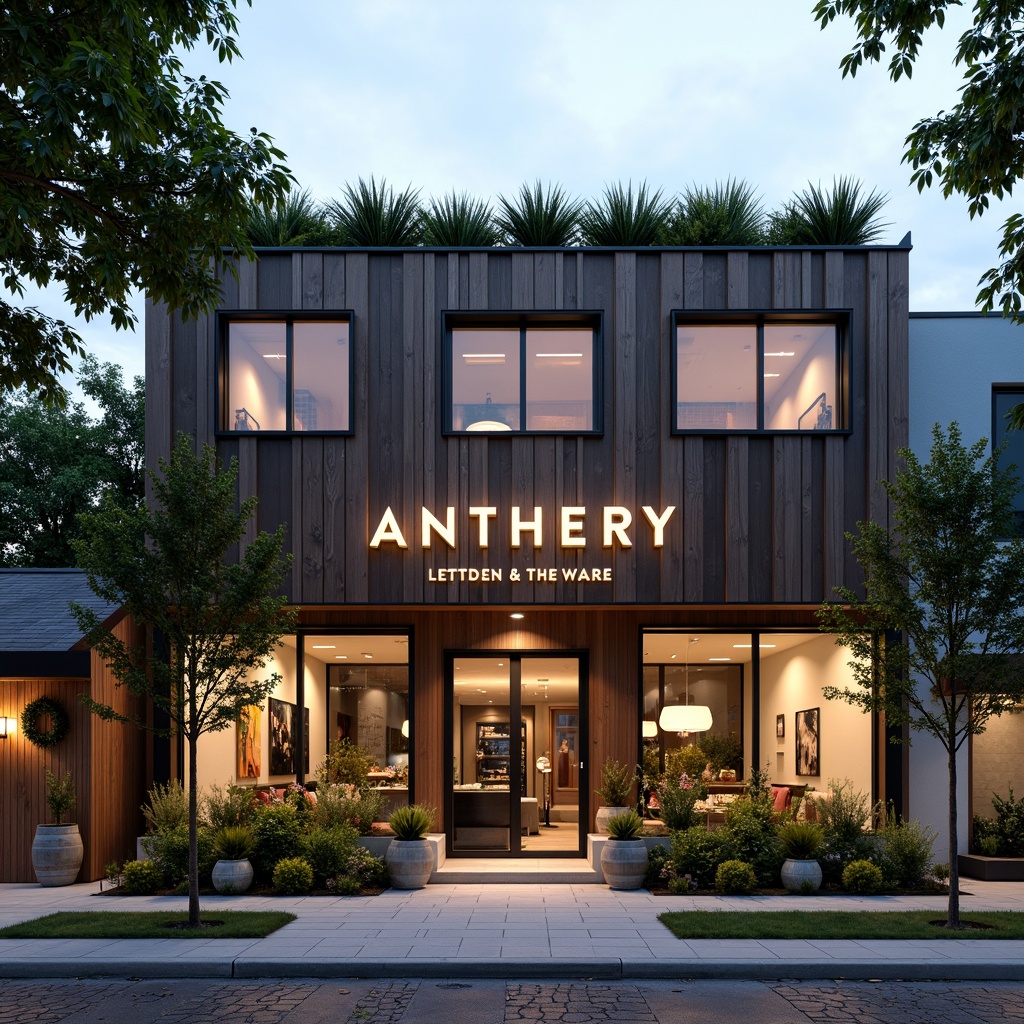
x,y
193,836
953,911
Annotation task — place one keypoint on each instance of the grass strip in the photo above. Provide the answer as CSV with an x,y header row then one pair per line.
x,y
861,924
143,924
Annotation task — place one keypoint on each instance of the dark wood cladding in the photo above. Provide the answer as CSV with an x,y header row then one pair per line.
x,y
759,519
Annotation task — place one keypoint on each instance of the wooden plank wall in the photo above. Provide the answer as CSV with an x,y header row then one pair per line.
x,y
23,766
118,777
759,518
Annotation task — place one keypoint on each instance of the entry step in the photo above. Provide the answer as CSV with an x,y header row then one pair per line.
x,y
515,871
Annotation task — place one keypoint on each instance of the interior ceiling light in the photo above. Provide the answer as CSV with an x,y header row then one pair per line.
x,y
342,657
405,728
365,655
719,659
773,374
686,717
484,357
740,647
780,353
274,355
517,615
650,729
324,647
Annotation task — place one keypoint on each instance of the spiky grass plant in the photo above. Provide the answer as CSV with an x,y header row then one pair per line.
x,y
298,220
372,214
727,213
842,216
625,827
539,216
411,822
620,219
458,219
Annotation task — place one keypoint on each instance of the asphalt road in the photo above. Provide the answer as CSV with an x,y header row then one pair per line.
x,y
499,1002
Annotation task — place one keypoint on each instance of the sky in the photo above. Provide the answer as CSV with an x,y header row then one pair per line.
x,y
483,96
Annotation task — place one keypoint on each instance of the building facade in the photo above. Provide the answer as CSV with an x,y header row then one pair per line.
x,y
564,488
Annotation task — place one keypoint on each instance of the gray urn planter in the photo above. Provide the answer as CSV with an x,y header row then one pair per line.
x,y
231,877
57,853
801,875
410,863
624,863
604,813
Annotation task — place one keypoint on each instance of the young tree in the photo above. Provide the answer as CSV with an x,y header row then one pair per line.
x,y
116,172
935,638
976,148
55,463
218,623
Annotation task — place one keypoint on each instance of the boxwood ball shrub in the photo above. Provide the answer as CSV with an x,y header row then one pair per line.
x,y
862,877
697,852
141,878
293,876
735,878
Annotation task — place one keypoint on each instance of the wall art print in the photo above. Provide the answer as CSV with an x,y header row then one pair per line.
x,y
250,742
808,742
283,741
780,727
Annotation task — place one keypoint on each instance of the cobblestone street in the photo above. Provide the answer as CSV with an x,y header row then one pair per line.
x,y
497,1002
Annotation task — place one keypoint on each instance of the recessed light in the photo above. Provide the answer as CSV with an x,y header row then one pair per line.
x,y
719,659
517,615
675,655
324,647
341,657
365,655
274,355
780,353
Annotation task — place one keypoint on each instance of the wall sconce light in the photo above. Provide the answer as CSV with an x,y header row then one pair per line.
x,y
8,726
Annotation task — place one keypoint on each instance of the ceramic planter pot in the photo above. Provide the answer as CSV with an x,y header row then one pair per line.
x,y
801,875
232,876
410,863
624,863
603,814
57,853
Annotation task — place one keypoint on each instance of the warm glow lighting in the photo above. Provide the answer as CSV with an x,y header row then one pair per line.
x,y
517,615
685,718
780,353
405,728
8,726
484,357
650,730
559,355
365,655
748,646
719,659
324,647
341,657
274,355
773,374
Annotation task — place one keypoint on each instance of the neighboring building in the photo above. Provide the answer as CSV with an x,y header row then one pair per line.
x,y
968,368
42,655
561,488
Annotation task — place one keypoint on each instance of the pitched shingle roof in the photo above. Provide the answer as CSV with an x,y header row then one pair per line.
x,y
34,613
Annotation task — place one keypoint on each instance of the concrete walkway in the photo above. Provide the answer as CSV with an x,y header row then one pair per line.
x,y
503,931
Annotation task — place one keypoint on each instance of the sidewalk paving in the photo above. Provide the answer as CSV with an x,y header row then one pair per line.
x,y
503,931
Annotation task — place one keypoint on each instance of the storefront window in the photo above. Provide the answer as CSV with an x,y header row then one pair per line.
x,y
759,374
1004,398
289,374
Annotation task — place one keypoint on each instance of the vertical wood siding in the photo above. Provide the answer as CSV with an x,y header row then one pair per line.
x,y
759,518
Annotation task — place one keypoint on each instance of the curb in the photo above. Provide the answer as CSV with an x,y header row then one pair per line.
x,y
511,969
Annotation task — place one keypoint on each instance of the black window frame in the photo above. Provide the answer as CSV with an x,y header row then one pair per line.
x,y
226,317
841,319
524,321
999,430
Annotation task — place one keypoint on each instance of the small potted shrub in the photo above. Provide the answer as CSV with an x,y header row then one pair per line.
x,y
410,859
233,873
801,841
57,849
624,856
616,785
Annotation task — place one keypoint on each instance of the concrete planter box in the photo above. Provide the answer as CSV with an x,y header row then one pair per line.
x,y
596,843
991,869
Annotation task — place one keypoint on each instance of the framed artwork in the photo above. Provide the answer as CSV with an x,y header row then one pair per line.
x,y
780,727
250,742
808,742
282,737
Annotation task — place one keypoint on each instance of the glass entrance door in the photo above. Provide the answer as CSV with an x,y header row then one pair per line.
x,y
514,743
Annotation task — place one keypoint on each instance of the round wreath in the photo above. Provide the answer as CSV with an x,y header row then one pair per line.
x,y
59,721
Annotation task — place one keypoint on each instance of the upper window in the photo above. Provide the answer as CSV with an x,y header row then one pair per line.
x,y
1004,398
537,374
287,373
769,372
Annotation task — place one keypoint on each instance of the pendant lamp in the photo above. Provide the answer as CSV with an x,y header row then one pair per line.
x,y
650,729
686,717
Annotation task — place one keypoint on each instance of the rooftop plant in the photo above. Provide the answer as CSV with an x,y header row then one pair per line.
x,y
619,218
372,214
540,216
457,219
